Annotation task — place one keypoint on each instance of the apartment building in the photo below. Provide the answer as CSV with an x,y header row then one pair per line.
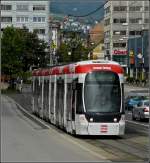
x,y
123,20
34,15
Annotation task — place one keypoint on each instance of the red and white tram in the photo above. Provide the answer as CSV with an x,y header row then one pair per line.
x,y
84,98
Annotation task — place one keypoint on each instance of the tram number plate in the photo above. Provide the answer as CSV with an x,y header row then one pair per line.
x,y
103,128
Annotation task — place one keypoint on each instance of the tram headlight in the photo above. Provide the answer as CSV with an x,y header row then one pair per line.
x,y
91,119
115,119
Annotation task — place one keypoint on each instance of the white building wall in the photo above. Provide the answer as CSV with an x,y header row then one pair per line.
x,y
30,13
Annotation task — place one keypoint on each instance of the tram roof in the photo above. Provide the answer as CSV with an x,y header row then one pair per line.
x,y
79,67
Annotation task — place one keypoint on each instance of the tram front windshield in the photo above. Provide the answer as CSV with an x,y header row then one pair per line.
x,y
102,92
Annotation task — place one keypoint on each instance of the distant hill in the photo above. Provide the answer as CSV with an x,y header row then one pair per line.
x,y
61,8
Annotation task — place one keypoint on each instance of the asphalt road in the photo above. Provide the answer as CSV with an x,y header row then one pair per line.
x,y
24,140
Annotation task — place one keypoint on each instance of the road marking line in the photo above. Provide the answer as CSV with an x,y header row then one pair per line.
x,y
69,139
137,123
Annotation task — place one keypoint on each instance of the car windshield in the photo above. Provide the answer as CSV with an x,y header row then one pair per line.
x,y
102,92
146,103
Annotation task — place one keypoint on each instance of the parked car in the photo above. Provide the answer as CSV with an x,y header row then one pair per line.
x,y
134,97
132,101
141,110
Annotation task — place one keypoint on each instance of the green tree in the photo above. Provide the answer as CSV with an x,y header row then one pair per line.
x,y
20,50
72,50
11,49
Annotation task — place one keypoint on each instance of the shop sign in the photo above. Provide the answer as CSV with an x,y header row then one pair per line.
x,y
120,52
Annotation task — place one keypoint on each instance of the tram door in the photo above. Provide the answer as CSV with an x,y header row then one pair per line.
x,y
45,100
74,97
71,107
60,103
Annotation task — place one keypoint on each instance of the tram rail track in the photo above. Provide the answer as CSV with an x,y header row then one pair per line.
x,y
121,150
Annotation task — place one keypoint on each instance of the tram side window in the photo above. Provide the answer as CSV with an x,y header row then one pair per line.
x,y
34,91
57,96
37,87
69,105
40,90
47,89
52,97
79,104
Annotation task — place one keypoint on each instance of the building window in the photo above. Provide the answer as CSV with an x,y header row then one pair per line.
x,y
6,7
22,19
133,33
146,20
116,8
107,34
120,8
138,32
119,32
119,45
107,22
107,10
22,7
38,19
39,31
135,8
6,19
123,8
107,45
38,7
136,20
116,20
122,20
146,8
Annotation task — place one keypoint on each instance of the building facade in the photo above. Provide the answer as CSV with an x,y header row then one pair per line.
x,y
34,15
123,20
